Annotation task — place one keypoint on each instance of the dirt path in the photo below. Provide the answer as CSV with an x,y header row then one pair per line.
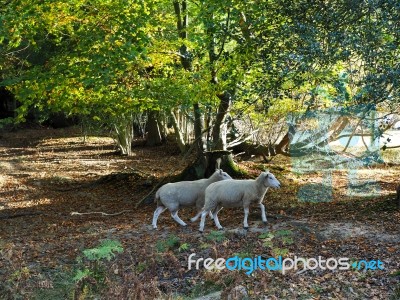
x,y
47,174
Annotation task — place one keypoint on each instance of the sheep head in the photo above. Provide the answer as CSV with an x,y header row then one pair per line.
x,y
222,175
269,180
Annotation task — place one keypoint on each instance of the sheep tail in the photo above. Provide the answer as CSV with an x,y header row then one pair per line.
x,y
157,198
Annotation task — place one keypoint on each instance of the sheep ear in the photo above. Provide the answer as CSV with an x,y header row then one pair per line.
x,y
218,164
220,171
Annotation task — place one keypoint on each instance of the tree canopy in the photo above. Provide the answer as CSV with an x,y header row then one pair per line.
x,y
108,60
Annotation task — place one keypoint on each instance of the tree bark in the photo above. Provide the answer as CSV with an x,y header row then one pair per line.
x,y
124,135
153,130
217,149
218,135
182,21
227,163
283,144
338,127
205,165
205,162
178,134
198,129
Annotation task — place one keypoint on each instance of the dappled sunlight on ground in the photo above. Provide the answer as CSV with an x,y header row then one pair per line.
x,y
48,174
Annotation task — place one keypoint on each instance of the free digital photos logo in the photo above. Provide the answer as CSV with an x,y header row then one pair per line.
x,y
300,264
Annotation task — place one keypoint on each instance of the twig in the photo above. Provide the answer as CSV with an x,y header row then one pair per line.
x,y
390,147
74,213
238,154
170,53
352,134
362,138
239,140
19,50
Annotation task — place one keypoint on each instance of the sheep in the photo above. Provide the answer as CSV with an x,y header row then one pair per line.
x,y
237,193
173,196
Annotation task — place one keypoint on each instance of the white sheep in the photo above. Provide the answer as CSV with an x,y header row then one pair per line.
x,y
173,196
237,193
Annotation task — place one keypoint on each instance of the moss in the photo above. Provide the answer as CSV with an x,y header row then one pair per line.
x,y
229,166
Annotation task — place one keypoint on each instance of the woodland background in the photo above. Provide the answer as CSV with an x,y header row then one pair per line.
x,y
104,101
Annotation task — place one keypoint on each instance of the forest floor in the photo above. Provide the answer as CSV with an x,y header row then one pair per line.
x,y
47,174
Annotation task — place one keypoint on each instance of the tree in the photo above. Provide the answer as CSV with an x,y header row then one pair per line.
x,y
333,55
79,57
210,64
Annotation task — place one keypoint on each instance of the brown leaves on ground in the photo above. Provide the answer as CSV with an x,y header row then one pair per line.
x,y
47,174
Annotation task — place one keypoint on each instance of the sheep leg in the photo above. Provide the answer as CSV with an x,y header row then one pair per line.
x,y
157,213
216,210
263,216
215,216
195,218
177,219
246,214
203,220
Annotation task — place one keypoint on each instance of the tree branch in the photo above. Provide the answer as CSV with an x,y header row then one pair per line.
x,y
177,9
225,36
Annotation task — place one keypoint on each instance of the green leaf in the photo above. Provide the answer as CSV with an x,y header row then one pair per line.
x,y
287,240
216,236
183,247
81,274
280,251
266,235
268,244
280,233
104,251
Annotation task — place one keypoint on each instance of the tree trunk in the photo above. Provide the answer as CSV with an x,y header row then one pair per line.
x,y
227,163
205,162
218,132
178,134
124,135
281,147
337,128
153,130
205,166
198,130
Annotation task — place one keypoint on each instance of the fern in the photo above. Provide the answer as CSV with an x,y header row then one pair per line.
x,y
104,251
287,240
267,239
268,243
217,236
183,247
284,233
280,251
266,235
171,242
81,275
